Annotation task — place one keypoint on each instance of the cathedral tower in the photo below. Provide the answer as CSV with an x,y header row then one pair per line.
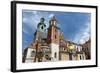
x,y
53,39
40,33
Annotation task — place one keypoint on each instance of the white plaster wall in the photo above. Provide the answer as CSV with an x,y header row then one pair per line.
x,y
79,48
54,49
29,52
65,57
29,59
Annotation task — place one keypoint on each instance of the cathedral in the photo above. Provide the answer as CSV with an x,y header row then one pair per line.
x,y
50,45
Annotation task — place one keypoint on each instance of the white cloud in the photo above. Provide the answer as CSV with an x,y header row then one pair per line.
x,y
51,15
84,35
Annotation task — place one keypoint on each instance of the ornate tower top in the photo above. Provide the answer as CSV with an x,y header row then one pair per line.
x,y
53,21
41,25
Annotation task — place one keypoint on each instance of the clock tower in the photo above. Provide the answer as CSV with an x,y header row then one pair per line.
x,y
41,31
41,25
53,39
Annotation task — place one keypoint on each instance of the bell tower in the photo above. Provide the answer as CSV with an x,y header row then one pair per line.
x,y
53,39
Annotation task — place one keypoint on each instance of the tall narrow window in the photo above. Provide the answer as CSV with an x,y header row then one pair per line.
x,y
80,57
55,37
55,55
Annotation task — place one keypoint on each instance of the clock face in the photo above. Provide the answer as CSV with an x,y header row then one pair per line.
x,y
42,28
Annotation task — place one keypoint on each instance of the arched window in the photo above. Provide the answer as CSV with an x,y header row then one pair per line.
x,y
55,55
32,53
80,57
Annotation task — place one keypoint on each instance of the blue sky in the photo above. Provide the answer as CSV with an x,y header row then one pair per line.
x,y
74,25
